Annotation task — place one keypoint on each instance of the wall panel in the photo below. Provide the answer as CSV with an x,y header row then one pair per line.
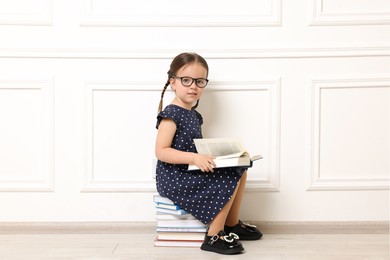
x,y
182,14
26,135
350,126
25,12
347,12
117,143
255,118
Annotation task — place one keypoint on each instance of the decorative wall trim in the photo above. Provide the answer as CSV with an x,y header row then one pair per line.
x,y
314,179
89,183
46,88
273,86
274,18
298,52
271,183
42,18
320,17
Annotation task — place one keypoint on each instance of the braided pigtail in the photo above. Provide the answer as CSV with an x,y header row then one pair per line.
x,y
162,97
181,61
196,105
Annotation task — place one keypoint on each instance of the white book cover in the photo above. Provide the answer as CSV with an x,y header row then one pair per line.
x,y
167,206
171,211
162,200
181,223
164,216
186,229
189,236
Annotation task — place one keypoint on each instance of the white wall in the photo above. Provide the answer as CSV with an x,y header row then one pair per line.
x,y
304,82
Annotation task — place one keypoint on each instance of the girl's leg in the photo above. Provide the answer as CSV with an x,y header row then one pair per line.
x,y
218,222
233,215
232,223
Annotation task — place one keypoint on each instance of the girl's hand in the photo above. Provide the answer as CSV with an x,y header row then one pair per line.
x,y
204,162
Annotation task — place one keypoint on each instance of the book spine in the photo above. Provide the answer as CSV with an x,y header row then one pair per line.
x,y
166,206
159,199
180,223
173,212
173,229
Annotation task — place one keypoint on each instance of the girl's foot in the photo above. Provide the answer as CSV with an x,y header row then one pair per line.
x,y
222,243
244,231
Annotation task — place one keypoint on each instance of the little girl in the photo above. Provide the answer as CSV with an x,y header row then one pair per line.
x,y
212,195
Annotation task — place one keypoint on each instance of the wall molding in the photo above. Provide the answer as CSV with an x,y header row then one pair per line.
x,y
89,183
46,88
270,183
322,18
42,18
314,179
273,87
92,19
379,50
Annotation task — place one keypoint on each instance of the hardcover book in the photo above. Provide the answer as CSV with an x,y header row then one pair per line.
x,y
228,152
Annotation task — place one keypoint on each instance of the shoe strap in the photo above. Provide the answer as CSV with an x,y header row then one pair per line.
x,y
247,225
231,238
213,239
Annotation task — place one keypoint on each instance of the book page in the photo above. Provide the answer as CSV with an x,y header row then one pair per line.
x,y
217,147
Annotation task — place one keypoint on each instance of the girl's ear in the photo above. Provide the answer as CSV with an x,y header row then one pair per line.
x,y
172,82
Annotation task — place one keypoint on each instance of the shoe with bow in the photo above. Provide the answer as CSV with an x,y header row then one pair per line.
x,y
245,231
222,243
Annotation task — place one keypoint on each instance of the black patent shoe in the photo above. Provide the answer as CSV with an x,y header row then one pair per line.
x,y
222,244
244,231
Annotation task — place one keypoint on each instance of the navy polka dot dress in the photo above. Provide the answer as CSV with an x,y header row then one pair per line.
x,y
201,194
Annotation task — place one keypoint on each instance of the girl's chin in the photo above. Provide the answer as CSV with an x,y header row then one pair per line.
x,y
191,101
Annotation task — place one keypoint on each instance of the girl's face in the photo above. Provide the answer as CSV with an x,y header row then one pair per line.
x,y
186,96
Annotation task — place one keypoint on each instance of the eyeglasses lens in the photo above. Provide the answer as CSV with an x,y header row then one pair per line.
x,y
187,81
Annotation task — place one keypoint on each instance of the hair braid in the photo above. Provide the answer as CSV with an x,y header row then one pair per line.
x,y
196,105
179,62
162,96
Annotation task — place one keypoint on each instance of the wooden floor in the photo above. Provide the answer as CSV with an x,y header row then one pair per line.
x,y
140,246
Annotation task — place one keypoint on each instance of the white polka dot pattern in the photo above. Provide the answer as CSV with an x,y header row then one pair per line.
x,y
201,194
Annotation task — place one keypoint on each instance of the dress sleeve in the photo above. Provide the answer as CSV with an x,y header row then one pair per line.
x,y
199,117
167,113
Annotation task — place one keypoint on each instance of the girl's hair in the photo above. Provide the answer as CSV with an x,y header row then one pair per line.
x,y
181,60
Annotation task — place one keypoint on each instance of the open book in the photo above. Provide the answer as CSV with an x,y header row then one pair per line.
x,y
228,152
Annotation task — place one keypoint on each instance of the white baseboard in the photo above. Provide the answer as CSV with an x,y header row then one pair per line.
x,y
324,227
267,227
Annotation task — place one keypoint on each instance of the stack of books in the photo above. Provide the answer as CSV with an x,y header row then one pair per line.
x,y
175,226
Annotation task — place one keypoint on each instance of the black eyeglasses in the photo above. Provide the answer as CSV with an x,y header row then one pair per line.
x,y
187,81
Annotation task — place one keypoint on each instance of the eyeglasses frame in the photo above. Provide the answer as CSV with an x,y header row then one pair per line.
x,y
193,80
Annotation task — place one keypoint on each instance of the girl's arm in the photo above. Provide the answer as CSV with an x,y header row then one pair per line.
x,y
165,153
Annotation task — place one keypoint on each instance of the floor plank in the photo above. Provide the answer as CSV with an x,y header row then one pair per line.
x,y
140,246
